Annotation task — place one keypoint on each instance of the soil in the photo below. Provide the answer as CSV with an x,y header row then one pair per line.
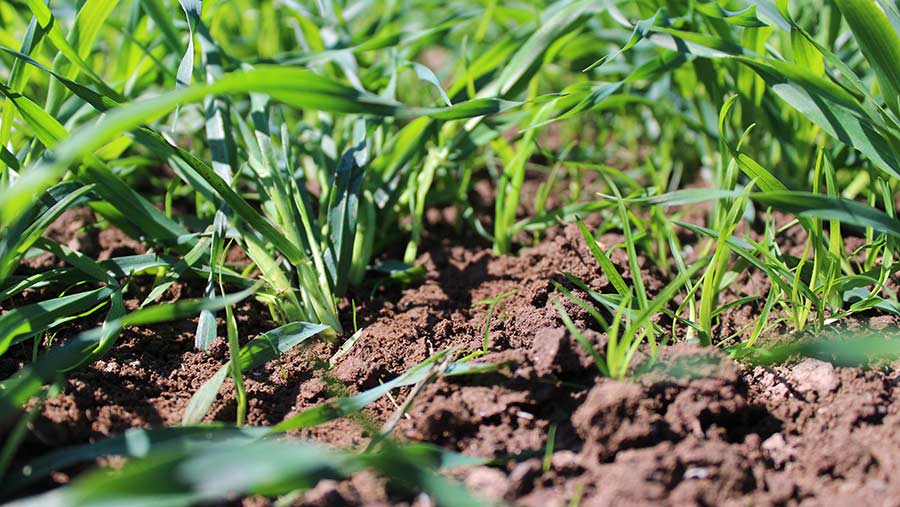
x,y
698,430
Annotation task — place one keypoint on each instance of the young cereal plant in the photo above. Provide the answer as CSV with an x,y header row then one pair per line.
x,y
631,323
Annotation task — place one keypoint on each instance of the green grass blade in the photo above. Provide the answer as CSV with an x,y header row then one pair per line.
x,y
18,76
266,347
172,275
17,390
612,274
203,398
133,443
826,207
26,231
91,16
153,224
36,318
879,42
599,361
54,33
343,214
340,407
205,472
560,19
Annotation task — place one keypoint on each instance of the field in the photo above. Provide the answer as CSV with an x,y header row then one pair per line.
x,y
538,253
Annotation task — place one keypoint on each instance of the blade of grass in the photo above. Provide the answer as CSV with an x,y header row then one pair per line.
x,y
266,347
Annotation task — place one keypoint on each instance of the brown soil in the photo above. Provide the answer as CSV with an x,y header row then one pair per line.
x,y
700,430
